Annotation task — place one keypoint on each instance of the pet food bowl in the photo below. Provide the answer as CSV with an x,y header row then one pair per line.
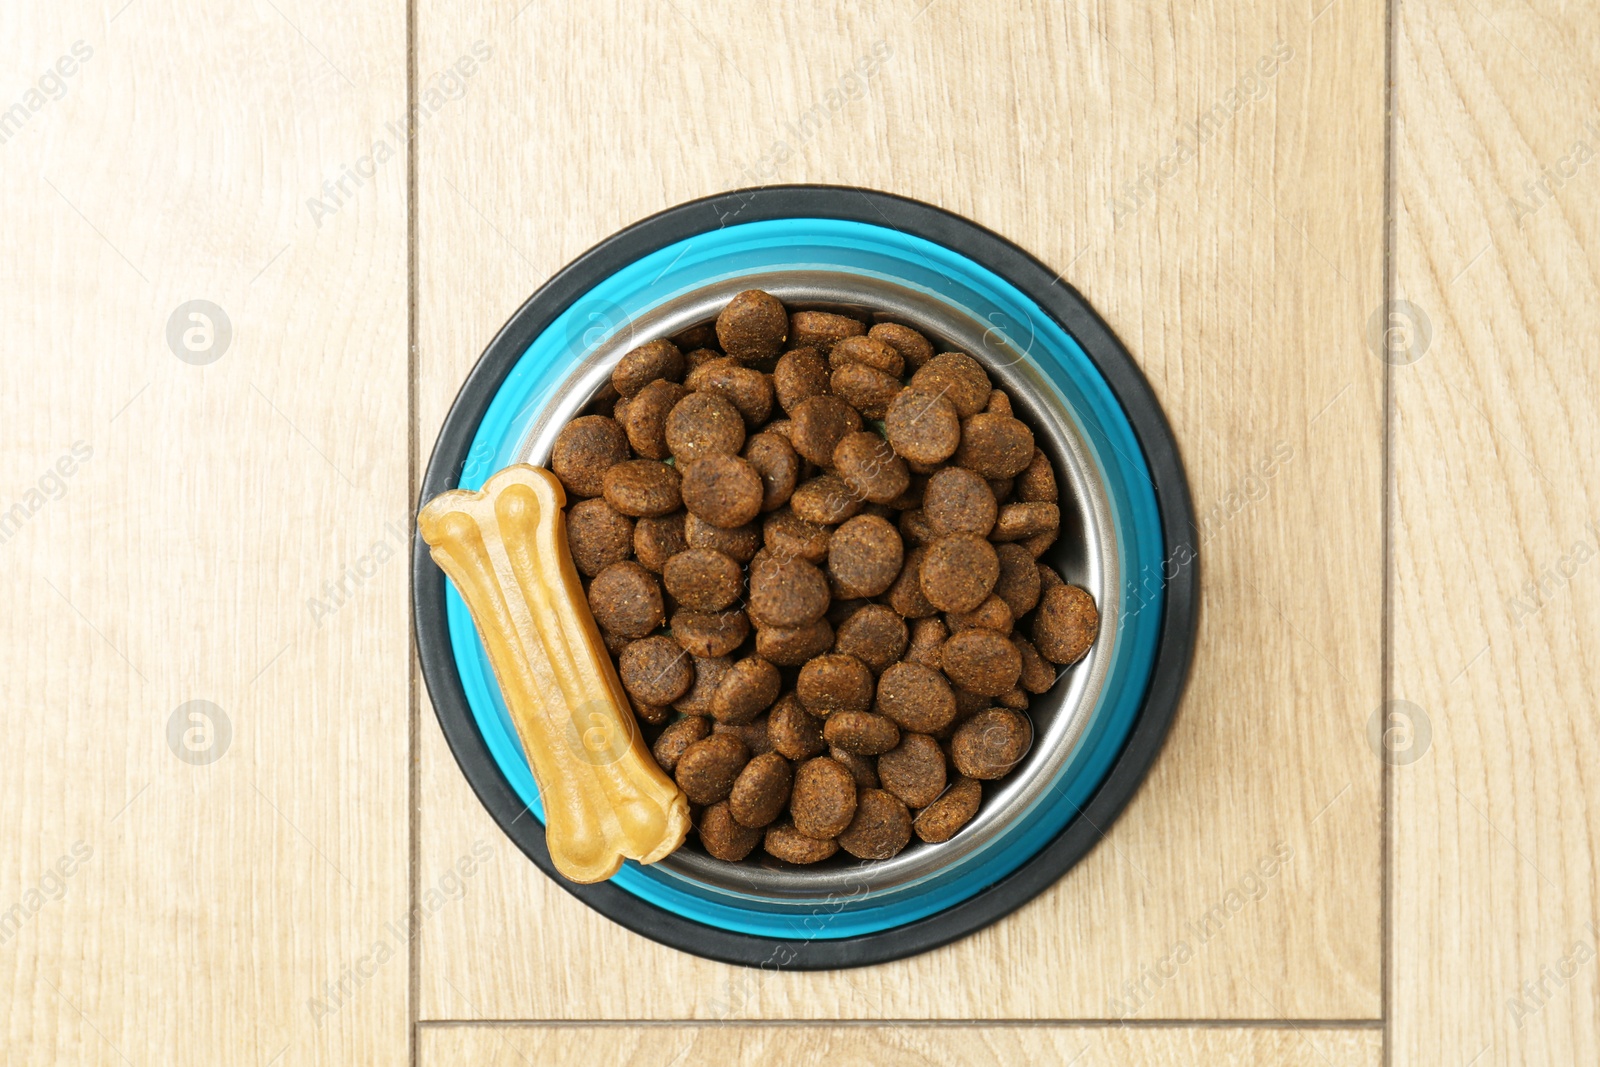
x,y
1126,521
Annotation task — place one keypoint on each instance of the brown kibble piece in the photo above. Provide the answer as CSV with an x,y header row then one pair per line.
x,y
939,821
833,683
1001,488
959,501
651,714
793,646
709,633
821,330
915,529
823,800
996,446
959,572
701,335
708,768
1039,544
999,403
992,614
775,460
917,697
626,600
875,635
1049,577
825,500
703,579
748,689
864,769
794,731
914,770
723,490
700,356
657,538
880,829
1015,698
1037,482
722,835
861,732
753,326
752,733
914,348
922,426
819,424
1018,522
991,743
865,555
868,465
642,487
801,374
739,543
747,389
868,352
598,535
670,746
651,361
704,424
788,593
655,670
959,378
1066,624
784,842
761,791
927,641
789,536
981,661
645,418
905,595
1018,584
585,449
867,389
708,675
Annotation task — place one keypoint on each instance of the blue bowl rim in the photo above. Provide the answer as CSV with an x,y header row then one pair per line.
x,y
1127,383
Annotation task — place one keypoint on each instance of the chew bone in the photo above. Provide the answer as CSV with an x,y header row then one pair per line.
x,y
505,548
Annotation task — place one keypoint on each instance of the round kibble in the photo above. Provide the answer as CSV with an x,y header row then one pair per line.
x,y
959,572
1066,624
788,536
880,829
869,352
585,449
775,460
927,641
914,770
1018,522
788,593
739,543
598,535
939,821
704,424
864,769
865,556
825,500
722,835
1037,482
670,746
784,842
1016,699
703,579
794,731
916,697
709,633
914,348
1001,488
651,361
992,614
1049,577
793,646
922,426
655,670
646,418
905,595
1038,674
823,799
860,732
753,326
915,529
761,791
642,487
723,490
958,378
959,501
868,465
800,375
1039,544
821,330
819,424
708,675
701,335
868,390
981,661
992,742
657,539
996,446
835,682
748,689
626,600
747,389
752,733
999,403
875,635
1018,584
708,768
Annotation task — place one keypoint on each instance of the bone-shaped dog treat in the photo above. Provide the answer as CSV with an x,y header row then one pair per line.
x,y
505,548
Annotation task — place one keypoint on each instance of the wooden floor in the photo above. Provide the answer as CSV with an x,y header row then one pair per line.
x,y
1354,246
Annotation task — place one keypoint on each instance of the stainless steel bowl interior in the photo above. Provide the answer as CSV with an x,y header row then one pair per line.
x,y
1086,554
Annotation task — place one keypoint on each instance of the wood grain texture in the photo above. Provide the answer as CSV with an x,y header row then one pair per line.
x,y
1496,589
895,1046
205,903
1240,275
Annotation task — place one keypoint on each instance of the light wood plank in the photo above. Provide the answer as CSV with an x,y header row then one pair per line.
x,y
1494,837
1241,285
208,903
893,1046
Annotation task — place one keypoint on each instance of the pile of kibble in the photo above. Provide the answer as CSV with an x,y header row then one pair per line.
x,y
812,548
